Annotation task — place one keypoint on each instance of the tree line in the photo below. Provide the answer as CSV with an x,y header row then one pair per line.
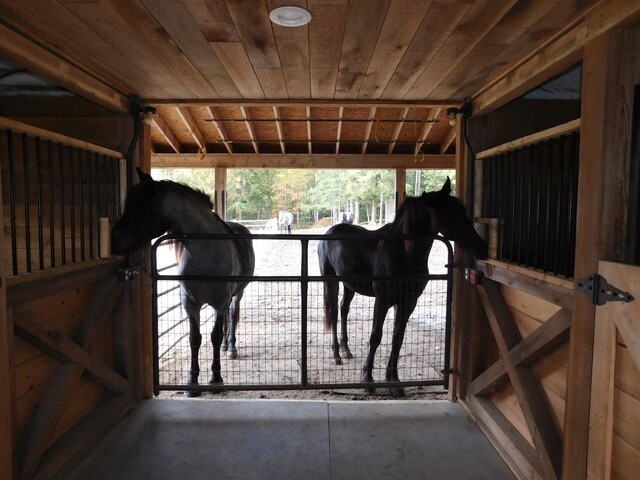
x,y
259,194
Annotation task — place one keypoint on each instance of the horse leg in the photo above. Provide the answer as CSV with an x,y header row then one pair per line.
x,y
347,297
403,311
216,339
379,312
229,338
195,340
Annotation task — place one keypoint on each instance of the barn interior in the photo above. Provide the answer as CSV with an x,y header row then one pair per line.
x,y
534,104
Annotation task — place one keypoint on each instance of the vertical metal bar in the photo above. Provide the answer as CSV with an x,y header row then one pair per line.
x,y
529,179
560,205
449,301
91,219
39,198
573,187
521,205
154,318
512,203
81,192
304,289
12,203
538,204
99,210
52,223
500,193
63,243
548,151
72,188
25,183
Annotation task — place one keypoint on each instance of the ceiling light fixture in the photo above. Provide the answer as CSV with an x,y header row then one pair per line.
x,y
289,16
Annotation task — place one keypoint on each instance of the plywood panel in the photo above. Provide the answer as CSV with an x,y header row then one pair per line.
x,y
625,460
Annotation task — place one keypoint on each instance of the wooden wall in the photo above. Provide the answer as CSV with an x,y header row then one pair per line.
x,y
71,351
539,386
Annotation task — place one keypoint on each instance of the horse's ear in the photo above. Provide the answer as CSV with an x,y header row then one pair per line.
x,y
144,177
446,188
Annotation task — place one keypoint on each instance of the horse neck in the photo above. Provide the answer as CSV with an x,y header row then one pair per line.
x,y
187,217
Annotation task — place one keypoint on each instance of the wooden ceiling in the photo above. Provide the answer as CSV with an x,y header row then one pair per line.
x,y
363,77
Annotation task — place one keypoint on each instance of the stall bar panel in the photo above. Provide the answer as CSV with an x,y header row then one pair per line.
x,y
54,196
281,337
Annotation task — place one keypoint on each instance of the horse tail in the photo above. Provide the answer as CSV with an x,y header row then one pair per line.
x,y
330,295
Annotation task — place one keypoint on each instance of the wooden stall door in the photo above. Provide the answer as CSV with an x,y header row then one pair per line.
x,y
614,424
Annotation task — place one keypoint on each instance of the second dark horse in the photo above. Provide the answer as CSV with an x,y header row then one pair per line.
x,y
430,213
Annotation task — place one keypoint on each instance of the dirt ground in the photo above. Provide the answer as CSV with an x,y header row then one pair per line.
x,y
269,337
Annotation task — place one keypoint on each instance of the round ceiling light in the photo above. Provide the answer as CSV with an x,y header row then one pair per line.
x,y
290,16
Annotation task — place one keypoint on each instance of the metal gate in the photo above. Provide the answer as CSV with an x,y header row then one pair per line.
x,y
281,340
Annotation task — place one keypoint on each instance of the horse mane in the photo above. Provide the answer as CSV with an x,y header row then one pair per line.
x,y
197,195
411,217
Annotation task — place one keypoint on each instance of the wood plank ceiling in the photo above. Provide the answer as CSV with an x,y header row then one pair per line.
x,y
363,77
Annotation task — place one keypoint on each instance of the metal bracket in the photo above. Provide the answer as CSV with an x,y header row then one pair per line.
x,y
600,291
129,273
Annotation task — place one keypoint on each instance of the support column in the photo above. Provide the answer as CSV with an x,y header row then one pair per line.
x,y
401,186
221,192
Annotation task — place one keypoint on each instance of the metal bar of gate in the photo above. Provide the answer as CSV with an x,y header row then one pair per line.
x,y
304,279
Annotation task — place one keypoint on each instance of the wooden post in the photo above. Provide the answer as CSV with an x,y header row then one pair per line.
x,y
401,186
221,192
144,335
7,384
611,68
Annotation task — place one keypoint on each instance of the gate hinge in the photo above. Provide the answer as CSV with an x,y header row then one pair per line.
x,y
128,273
600,291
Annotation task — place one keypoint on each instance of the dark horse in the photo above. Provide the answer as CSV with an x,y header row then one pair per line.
x,y
430,213
153,208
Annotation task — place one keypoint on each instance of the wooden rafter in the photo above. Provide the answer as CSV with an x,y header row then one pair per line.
x,y
276,116
536,413
449,139
220,130
339,129
166,132
396,131
372,117
192,127
252,135
426,128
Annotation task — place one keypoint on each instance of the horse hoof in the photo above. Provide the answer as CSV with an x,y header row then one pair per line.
x,y
397,391
232,355
192,394
347,354
338,361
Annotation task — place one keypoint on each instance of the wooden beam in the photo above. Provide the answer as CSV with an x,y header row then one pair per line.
x,y
547,337
426,128
339,132
309,149
166,132
304,103
557,54
21,50
247,123
221,131
372,117
315,160
32,328
552,289
396,131
446,143
192,127
56,137
276,116
536,414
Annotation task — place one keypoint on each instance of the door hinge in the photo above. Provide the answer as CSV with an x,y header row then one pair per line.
x,y
596,288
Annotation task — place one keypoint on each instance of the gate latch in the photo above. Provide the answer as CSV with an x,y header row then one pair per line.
x,y
600,291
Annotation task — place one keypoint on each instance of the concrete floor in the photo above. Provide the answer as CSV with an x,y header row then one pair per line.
x,y
191,439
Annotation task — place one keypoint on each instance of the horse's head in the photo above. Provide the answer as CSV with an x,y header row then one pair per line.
x,y
142,219
448,216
